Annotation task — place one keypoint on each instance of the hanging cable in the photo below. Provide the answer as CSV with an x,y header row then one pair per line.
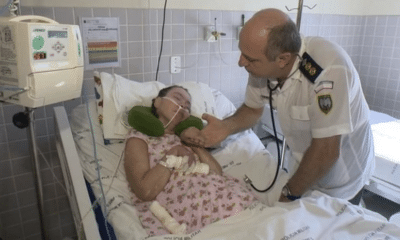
x,y
162,40
98,167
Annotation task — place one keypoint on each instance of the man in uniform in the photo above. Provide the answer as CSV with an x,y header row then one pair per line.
x,y
321,107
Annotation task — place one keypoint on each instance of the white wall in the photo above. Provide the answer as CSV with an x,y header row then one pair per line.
x,y
381,7
345,7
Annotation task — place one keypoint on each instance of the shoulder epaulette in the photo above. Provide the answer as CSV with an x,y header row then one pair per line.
x,y
310,68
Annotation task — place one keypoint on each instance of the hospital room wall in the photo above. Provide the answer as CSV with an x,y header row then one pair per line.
x,y
372,42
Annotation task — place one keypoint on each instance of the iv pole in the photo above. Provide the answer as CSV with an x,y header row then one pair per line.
x,y
299,12
36,170
26,119
298,23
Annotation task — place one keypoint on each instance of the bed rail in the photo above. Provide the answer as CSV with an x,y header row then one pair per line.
x,y
73,178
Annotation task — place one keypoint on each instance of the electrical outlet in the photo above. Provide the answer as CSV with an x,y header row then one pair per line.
x,y
175,64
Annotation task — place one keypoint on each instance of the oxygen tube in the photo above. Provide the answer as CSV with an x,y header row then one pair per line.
x,y
180,108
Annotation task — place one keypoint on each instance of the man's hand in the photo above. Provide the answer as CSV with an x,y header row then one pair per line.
x,y
215,131
192,136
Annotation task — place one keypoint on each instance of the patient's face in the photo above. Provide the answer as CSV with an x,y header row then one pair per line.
x,y
176,100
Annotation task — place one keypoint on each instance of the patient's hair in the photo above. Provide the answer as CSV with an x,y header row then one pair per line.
x,y
162,93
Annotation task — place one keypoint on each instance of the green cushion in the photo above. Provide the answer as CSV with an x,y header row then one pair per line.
x,y
141,119
191,121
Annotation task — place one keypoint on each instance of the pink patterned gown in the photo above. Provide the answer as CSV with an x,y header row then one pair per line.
x,y
196,199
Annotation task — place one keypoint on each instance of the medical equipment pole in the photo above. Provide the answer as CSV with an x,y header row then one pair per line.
x,y
299,12
36,170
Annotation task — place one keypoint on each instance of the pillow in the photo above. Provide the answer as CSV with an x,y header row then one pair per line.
x,y
202,98
99,94
128,93
225,107
121,94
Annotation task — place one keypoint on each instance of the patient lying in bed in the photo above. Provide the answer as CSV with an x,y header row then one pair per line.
x,y
186,181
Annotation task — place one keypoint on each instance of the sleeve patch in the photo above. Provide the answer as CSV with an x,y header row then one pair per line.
x,y
325,103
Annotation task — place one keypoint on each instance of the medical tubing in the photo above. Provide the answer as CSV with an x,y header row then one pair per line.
x,y
51,170
6,7
15,8
79,230
276,139
162,40
97,200
220,54
98,165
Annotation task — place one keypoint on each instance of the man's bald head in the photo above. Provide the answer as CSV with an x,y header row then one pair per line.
x,y
273,31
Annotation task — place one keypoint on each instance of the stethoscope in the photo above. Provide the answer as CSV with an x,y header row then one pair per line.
x,y
271,90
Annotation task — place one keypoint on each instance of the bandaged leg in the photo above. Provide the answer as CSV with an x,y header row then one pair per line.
x,y
166,219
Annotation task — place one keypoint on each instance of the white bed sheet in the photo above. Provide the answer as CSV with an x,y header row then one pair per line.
x,y
386,178
314,217
386,132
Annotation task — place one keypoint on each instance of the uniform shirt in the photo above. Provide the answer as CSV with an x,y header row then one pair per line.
x,y
333,105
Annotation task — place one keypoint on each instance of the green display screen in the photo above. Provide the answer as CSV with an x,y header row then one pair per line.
x,y
58,34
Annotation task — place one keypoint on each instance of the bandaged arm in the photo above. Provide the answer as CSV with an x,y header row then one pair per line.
x,y
166,219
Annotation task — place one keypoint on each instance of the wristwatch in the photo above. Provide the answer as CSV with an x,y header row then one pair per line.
x,y
286,192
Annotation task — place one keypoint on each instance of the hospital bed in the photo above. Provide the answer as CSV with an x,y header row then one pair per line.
x,y
315,216
386,178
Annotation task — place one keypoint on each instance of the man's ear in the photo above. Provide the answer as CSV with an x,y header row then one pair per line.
x,y
284,59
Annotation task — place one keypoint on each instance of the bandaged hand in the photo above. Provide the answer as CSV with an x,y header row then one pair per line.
x,y
176,163
193,136
181,165
179,151
182,159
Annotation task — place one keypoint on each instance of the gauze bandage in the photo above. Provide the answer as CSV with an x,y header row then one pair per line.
x,y
175,162
166,219
198,167
181,165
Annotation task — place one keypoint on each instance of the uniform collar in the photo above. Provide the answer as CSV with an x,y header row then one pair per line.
x,y
296,76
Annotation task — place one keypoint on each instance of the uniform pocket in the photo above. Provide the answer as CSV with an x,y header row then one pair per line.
x,y
300,118
300,113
